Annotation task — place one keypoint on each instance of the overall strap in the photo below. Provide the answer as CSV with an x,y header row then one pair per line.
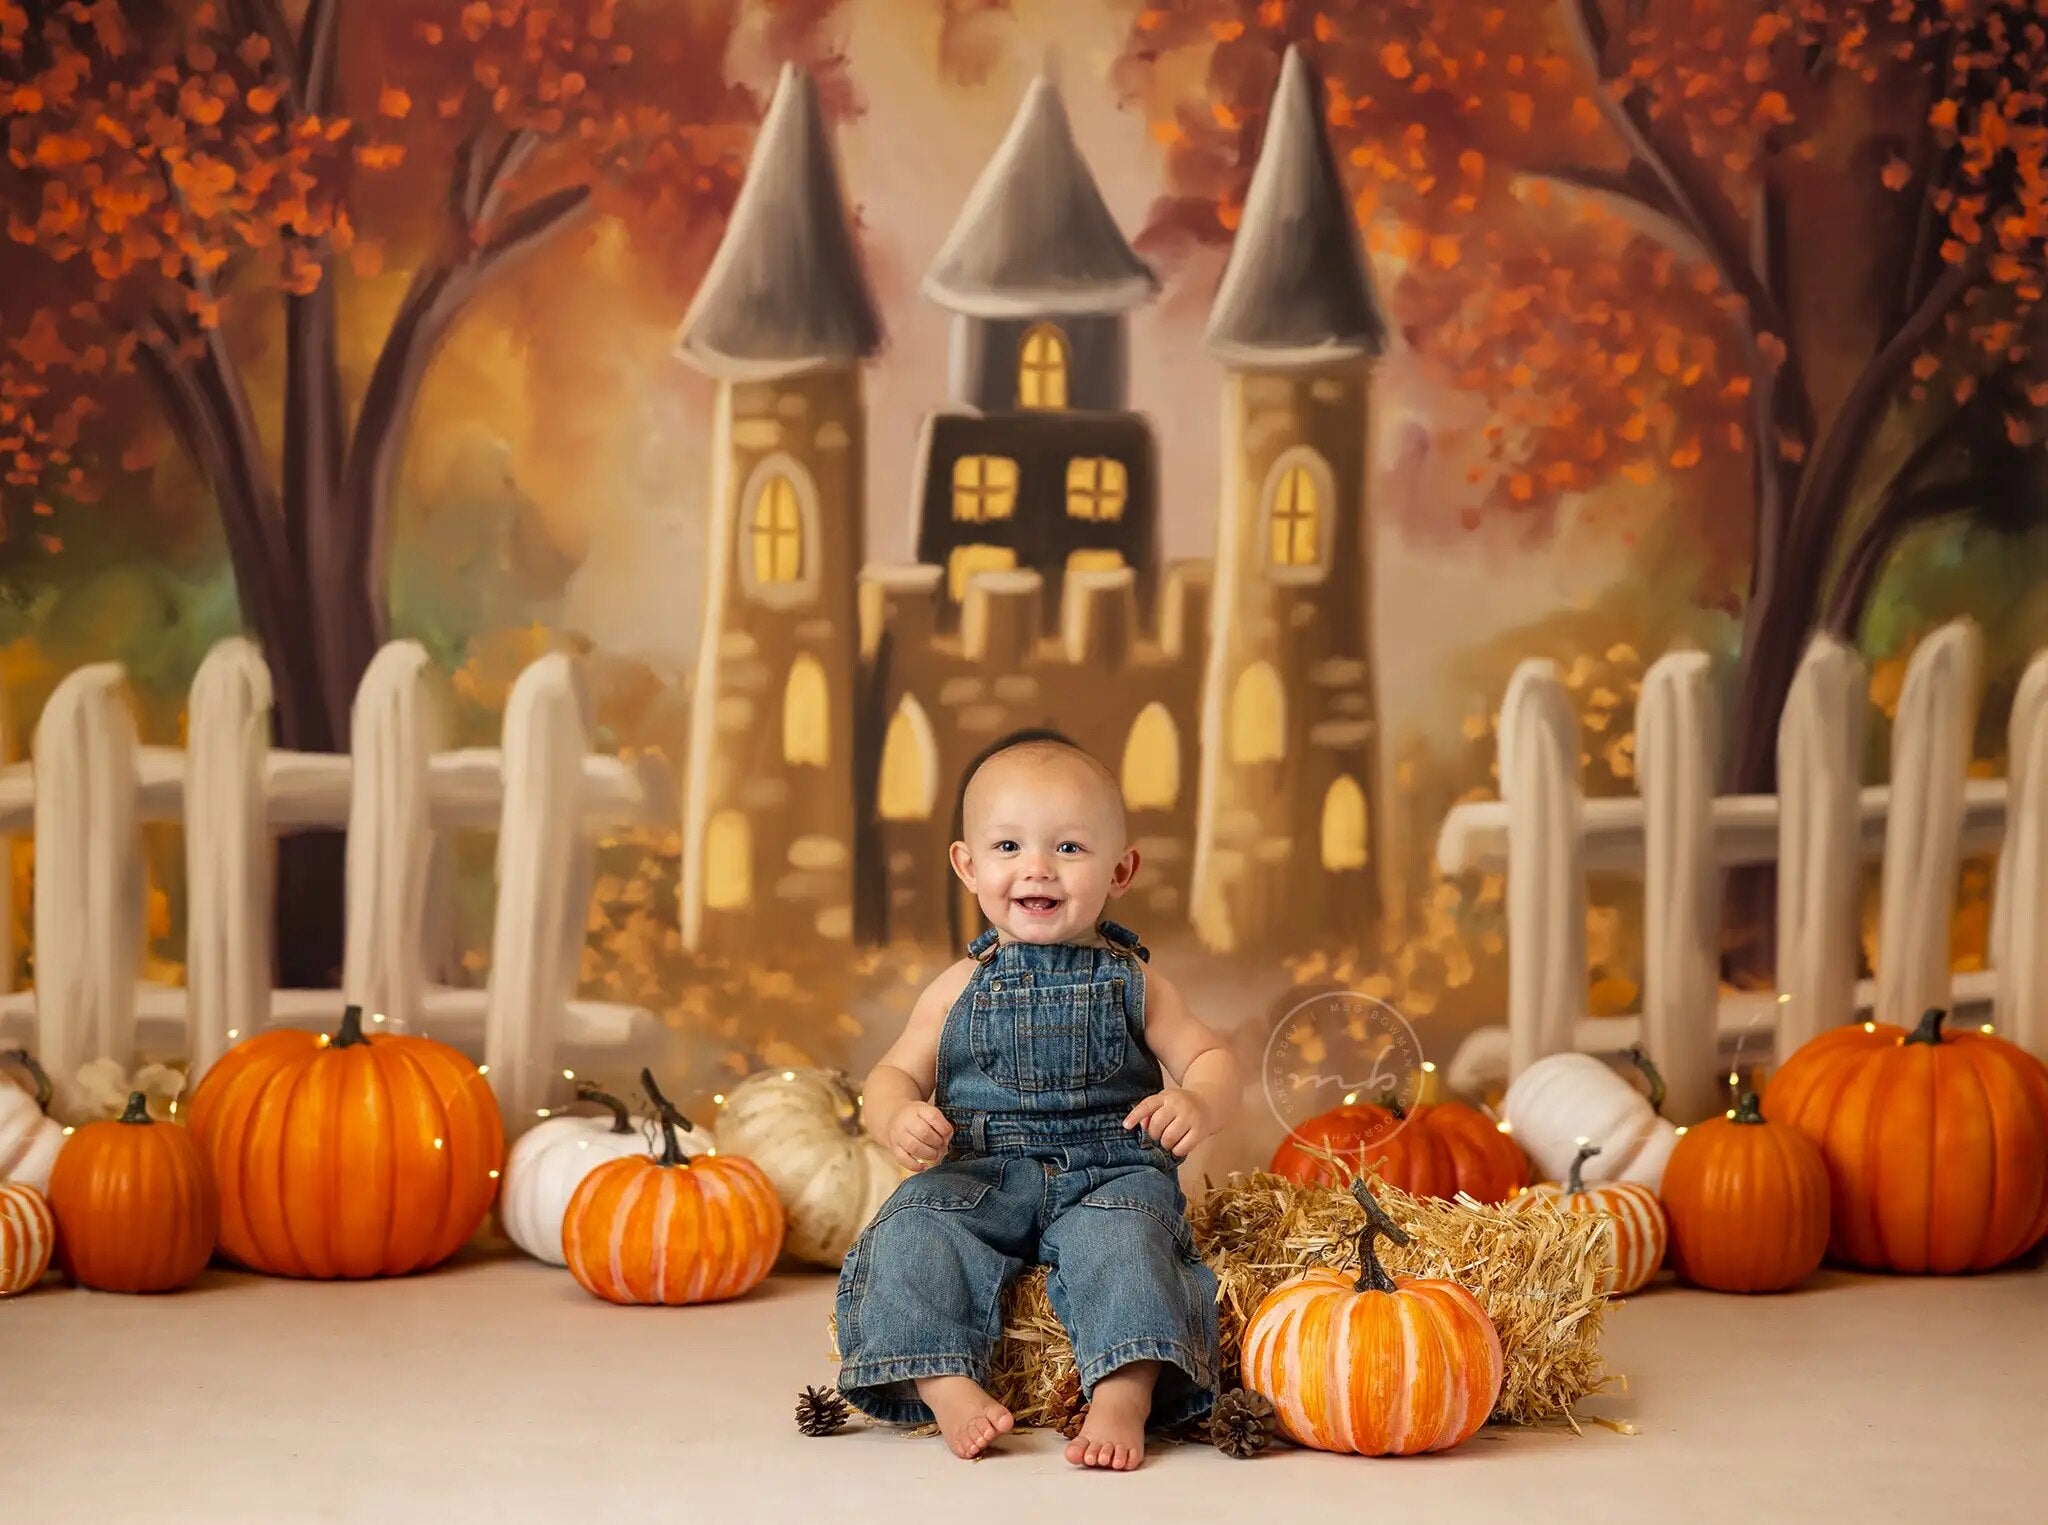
x,y
1123,940
983,947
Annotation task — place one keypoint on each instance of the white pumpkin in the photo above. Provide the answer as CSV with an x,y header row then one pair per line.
x,y
802,1127
1566,1100
551,1158
29,1137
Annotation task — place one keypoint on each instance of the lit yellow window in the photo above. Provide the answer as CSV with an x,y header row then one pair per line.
x,y
1344,824
778,532
910,765
1042,368
1297,519
806,714
1094,559
1151,771
1258,716
966,560
1096,487
984,487
728,862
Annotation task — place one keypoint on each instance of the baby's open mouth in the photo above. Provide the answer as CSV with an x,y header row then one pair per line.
x,y
1038,903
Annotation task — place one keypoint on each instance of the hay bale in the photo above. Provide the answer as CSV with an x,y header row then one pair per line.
x,y
1536,1271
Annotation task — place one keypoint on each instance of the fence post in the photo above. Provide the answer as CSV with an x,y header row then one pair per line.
x,y
1677,749
1924,820
1546,877
544,882
89,878
2019,953
397,727
1820,774
230,854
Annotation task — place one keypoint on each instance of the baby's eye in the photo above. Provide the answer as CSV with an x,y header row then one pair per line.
x,y
1075,845
1006,846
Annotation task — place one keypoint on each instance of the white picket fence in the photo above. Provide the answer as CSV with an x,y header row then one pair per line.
x,y
89,787
1819,829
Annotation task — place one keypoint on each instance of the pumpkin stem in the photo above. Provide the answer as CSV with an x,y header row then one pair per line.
x,y
1373,1276
1746,1109
36,1073
138,1109
1929,1030
671,1119
1575,1182
585,1091
1641,1061
1391,1101
351,1029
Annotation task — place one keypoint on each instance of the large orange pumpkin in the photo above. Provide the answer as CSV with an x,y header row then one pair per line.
x,y
134,1204
675,1228
28,1235
1639,1231
1747,1202
1936,1143
363,1156
1436,1150
1377,1365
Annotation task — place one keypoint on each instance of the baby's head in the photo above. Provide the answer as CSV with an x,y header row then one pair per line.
x,y
1044,844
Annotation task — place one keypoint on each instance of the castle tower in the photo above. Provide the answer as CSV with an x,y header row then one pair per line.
x,y
782,322
1289,753
1038,464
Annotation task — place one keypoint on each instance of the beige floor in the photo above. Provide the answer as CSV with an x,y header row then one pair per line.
x,y
496,1390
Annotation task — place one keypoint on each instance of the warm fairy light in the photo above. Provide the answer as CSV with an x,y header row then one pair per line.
x,y
69,1131
174,1109
378,1018
483,1069
321,1041
1581,1142
1734,1079
1350,1098
1729,1114
437,1143
1429,1067
494,1175
1505,1126
1985,1028
1784,998
1678,1133
568,1074
234,1033
789,1074
540,1112
1870,1027
711,1151
583,1143
718,1099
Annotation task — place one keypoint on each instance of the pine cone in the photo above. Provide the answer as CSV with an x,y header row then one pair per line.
x,y
1241,1423
820,1411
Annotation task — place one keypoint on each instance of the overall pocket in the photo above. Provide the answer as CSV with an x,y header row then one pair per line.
x,y
1031,1037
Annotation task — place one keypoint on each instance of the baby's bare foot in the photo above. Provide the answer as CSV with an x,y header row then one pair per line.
x,y
1113,1434
968,1417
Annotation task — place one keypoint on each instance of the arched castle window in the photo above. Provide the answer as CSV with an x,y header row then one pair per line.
x,y
966,560
1151,770
910,765
1258,716
728,862
1096,487
778,530
1042,368
984,487
1344,824
1300,494
806,714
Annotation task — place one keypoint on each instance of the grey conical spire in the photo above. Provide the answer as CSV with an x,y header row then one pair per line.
x,y
786,291
1296,290
1035,236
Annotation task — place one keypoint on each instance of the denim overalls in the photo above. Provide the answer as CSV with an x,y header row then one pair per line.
x,y
1039,1060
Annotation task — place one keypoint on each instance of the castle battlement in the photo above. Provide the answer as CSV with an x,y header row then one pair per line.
x,y
1002,616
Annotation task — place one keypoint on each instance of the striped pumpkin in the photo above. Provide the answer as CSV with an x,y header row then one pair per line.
x,y
1639,1230
352,1157
672,1229
1380,1365
28,1234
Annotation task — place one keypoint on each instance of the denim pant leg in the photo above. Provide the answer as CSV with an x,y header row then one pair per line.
x,y
1129,1285
921,1291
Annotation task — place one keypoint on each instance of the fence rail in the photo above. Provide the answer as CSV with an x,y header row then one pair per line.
x,y
1821,827
89,787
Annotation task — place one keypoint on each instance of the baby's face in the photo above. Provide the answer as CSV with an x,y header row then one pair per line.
x,y
1044,848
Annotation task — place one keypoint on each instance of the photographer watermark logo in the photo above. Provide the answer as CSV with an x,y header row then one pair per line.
x,y
1343,1048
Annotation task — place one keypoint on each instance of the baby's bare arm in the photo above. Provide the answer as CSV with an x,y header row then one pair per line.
x,y
909,1070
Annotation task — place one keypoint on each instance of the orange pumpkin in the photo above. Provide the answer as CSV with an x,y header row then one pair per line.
x,y
134,1204
1435,1150
28,1234
363,1156
672,1229
1378,1365
1639,1231
1748,1203
1936,1143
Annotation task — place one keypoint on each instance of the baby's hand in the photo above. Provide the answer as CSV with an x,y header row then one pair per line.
x,y
918,1135
1175,1117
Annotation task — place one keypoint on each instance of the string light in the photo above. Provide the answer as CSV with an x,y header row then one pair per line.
x,y
568,1074
1428,1067
321,1041
1729,1114
1985,1028
494,1175
583,1143
789,1074
1350,1098
719,1099
378,1018
437,1143
1784,998
541,1112
69,1131
1505,1126
1678,1133
234,1033
1734,1079
483,1069
1870,1027
1581,1142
